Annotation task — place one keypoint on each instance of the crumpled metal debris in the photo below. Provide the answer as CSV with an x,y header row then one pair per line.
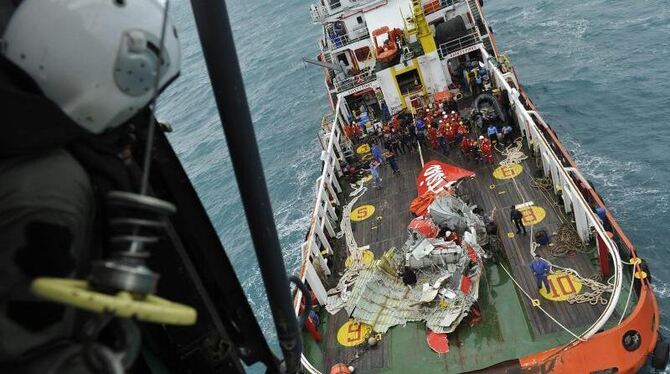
x,y
441,298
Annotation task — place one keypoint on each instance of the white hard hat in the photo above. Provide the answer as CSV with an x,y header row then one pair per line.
x,y
452,112
481,137
95,59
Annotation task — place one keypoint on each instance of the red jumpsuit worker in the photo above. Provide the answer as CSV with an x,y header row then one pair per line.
x,y
465,145
486,149
432,136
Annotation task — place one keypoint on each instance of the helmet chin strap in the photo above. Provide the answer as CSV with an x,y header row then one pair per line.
x,y
146,167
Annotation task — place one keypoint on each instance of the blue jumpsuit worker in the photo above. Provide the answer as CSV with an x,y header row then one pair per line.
x,y
377,153
376,179
421,131
540,268
492,132
507,134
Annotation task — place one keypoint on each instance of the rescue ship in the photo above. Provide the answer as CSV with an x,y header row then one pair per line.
x,y
427,271
411,261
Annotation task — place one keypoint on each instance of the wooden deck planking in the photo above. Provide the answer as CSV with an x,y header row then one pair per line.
x,y
392,205
388,226
517,249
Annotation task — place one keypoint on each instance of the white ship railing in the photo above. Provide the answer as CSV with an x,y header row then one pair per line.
x,y
432,6
324,216
585,218
457,44
338,41
320,12
354,81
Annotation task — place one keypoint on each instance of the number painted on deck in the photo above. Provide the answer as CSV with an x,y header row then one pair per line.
x,y
352,333
563,285
362,213
532,215
507,171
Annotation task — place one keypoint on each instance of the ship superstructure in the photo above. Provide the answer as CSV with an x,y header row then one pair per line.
x,y
410,69
397,49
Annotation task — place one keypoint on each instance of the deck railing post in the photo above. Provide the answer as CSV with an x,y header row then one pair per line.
x,y
322,238
315,284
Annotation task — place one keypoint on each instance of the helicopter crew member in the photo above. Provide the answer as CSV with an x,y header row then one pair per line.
x,y
69,121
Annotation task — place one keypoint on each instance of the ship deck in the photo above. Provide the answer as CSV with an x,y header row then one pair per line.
x,y
511,326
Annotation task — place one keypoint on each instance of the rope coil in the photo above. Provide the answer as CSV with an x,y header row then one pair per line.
x,y
512,153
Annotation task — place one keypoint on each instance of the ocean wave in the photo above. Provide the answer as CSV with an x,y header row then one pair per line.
x,y
662,291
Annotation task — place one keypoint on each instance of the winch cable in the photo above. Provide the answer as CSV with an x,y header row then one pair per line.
x,y
630,290
537,305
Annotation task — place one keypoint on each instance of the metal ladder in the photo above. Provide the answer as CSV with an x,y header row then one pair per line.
x,y
477,17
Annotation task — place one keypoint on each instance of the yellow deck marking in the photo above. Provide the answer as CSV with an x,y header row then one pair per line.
x,y
368,257
362,213
507,171
352,333
363,149
563,285
532,215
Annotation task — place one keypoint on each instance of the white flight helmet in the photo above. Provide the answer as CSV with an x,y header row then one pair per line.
x,y
96,59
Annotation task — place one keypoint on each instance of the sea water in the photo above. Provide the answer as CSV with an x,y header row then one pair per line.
x,y
597,70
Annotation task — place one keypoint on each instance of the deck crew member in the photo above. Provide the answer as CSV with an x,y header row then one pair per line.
x,y
374,170
492,132
461,131
507,134
409,138
377,153
517,217
432,136
421,131
465,146
486,149
442,140
541,268
390,156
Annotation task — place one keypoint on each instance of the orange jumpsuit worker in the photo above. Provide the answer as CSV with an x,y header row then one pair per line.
x,y
486,149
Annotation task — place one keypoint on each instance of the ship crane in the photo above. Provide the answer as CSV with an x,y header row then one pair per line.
x,y
337,68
